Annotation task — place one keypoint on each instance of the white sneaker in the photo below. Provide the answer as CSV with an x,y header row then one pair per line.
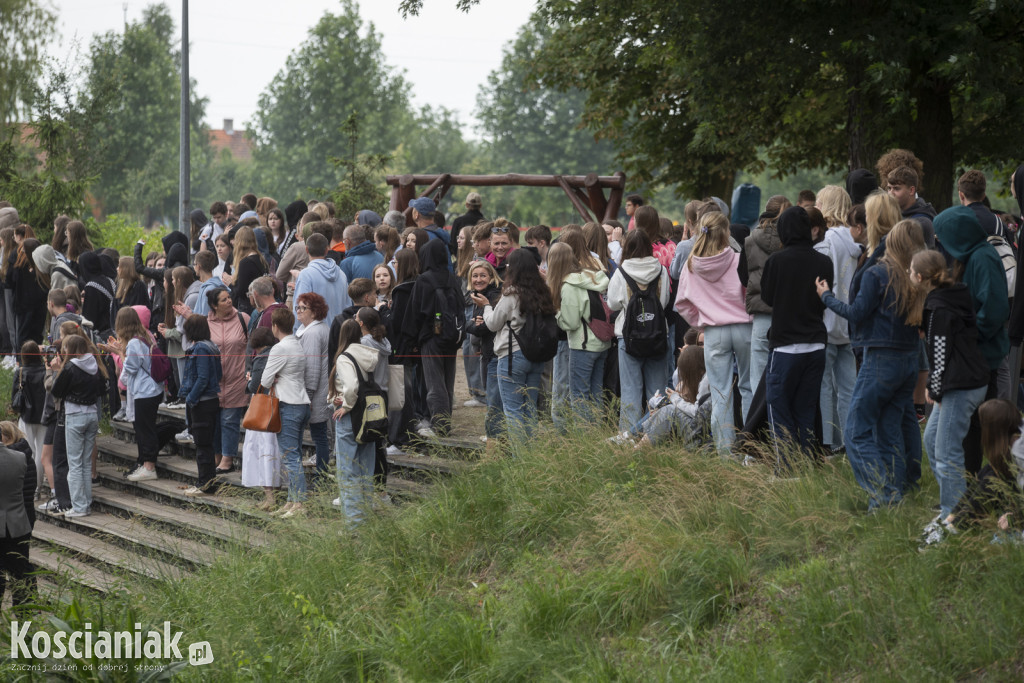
x,y
309,462
194,491
394,450
427,433
336,502
473,403
142,474
120,416
423,424
183,437
622,438
72,513
49,506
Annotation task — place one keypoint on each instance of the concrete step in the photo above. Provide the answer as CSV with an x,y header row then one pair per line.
x,y
107,556
132,533
58,573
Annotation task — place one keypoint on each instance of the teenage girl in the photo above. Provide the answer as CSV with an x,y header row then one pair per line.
x,y
959,376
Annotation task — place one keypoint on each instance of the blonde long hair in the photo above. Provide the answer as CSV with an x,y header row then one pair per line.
x,y
712,237
904,241
127,276
834,204
882,212
561,264
245,245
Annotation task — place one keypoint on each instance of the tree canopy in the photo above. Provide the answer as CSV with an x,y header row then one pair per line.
x,y
24,27
339,70
138,141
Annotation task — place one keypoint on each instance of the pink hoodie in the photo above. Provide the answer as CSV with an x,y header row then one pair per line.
x,y
712,294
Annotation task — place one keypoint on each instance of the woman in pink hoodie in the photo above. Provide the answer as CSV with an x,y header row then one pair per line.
x,y
711,297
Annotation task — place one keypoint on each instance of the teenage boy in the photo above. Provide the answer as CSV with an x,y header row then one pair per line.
x,y
902,183
539,237
362,292
797,336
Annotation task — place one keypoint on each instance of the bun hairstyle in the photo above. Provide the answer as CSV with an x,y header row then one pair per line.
x,y
931,266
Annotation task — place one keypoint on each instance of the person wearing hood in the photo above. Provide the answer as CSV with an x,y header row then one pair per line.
x,y
571,286
354,461
762,243
902,184
959,376
293,213
205,262
175,246
859,184
324,277
963,238
798,334
144,393
639,378
883,316
711,296
375,337
361,255
843,246
438,359
98,293
46,261
80,383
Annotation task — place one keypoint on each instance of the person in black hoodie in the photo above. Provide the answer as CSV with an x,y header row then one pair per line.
x,y
98,293
959,374
82,380
175,246
29,383
797,336
424,323
401,430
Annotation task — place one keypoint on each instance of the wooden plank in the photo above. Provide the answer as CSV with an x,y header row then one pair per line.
x,y
578,203
66,568
598,204
615,198
107,553
441,180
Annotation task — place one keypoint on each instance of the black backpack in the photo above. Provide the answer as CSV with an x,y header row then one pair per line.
x,y
644,328
538,339
370,412
449,323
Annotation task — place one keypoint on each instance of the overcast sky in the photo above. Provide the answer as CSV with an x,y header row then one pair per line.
x,y
224,55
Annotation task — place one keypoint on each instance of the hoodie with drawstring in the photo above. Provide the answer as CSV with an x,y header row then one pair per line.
x,y
574,312
965,240
643,271
711,294
840,247
323,276
79,384
787,284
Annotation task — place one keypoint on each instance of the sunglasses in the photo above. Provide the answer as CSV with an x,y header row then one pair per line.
x,y
496,229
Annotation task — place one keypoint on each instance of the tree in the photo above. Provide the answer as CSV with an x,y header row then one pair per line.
x,y
695,89
24,27
338,71
362,176
437,146
52,174
140,137
533,128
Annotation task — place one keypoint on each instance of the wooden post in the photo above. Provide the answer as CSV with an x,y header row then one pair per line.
x,y
577,202
393,204
615,198
595,194
406,191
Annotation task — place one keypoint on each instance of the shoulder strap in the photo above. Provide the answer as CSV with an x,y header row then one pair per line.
x,y
245,328
359,372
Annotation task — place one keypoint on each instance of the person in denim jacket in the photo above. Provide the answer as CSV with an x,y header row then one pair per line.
x,y
200,384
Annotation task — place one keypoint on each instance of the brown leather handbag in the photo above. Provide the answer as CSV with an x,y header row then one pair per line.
x,y
263,414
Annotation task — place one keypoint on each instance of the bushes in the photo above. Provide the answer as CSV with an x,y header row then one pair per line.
x,y
121,232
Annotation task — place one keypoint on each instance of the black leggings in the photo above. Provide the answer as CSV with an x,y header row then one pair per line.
x,y
145,428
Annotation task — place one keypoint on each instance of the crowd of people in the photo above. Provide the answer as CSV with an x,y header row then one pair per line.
x,y
806,331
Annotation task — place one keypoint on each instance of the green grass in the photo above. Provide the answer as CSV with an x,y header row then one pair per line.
x,y
583,561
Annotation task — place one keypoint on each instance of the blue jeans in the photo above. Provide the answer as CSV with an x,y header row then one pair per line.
x,y
759,350
721,344
494,423
289,440
560,387
519,384
471,363
639,378
586,381
354,463
836,391
874,431
944,440
318,432
80,435
792,388
226,433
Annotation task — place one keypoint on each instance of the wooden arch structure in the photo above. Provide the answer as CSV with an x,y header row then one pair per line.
x,y
585,192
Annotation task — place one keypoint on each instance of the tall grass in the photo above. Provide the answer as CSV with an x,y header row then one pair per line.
x,y
579,560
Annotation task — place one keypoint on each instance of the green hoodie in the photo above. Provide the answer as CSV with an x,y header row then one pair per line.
x,y
962,236
576,309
